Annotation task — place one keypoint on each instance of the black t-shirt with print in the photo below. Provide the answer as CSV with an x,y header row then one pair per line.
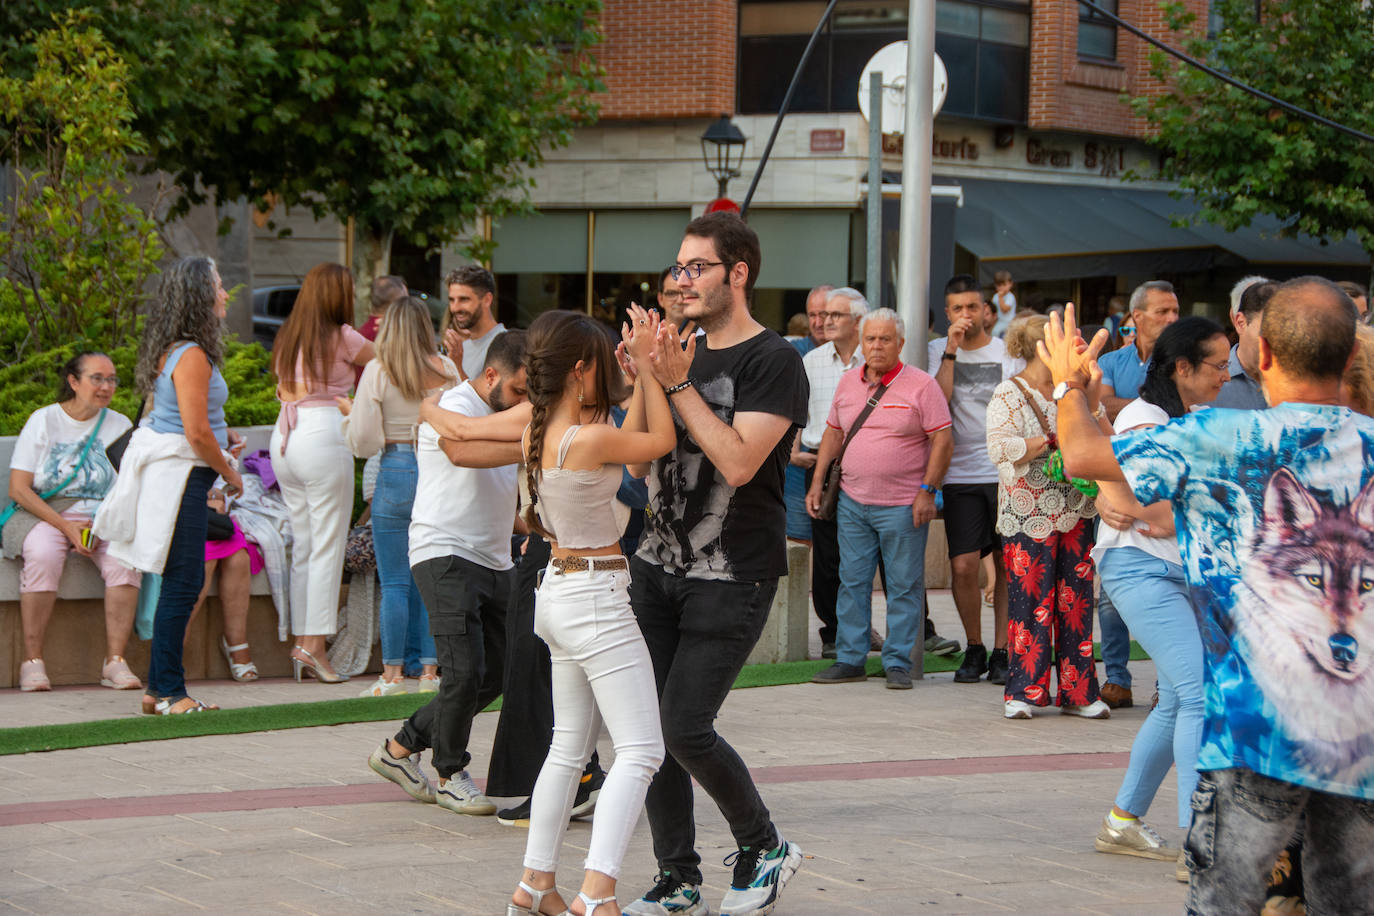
x,y
700,526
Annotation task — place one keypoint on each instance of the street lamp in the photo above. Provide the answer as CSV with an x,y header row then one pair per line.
x,y
722,149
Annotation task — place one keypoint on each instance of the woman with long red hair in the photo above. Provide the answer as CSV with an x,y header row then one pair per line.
x,y
313,358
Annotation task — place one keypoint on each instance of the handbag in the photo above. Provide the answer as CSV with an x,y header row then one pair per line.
x,y
360,553
830,486
14,507
115,450
218,526
1054,459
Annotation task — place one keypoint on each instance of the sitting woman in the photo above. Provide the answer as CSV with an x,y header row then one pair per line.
x,y
58,475
237,561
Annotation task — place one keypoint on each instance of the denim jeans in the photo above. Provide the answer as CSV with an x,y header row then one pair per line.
x,y
699,633
1242,820
1153,597
467,616
182,578
864,532
403,618
601,673
1116,640
794,498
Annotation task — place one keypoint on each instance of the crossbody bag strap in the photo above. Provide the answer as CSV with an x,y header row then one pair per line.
x,y
81,461
859,420
1039,414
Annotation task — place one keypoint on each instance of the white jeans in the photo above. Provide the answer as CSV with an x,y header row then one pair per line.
x,y
601,671
316,478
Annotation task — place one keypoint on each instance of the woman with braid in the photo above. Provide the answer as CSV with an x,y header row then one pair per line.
x,y
601,667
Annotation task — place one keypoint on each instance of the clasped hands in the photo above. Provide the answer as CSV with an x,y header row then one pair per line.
x,y
648,342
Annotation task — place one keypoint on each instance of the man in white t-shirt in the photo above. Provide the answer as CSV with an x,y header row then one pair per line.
x,y
469,326
968,365
460,529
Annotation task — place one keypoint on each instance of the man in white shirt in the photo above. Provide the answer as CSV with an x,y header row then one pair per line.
x,y
460,556
469,326
968,365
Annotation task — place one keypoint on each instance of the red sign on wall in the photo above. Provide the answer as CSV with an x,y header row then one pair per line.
x,y
827,140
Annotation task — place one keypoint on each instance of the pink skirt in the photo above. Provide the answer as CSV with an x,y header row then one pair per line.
x,y
218,550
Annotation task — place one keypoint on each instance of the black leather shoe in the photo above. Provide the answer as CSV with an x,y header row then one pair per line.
x,y
975,665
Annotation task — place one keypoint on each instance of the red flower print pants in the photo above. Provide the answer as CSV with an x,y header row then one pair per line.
x,y
1050,615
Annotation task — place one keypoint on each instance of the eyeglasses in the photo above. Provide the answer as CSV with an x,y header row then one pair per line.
x,y
1220,367
836,316
670,295
693,270
98,380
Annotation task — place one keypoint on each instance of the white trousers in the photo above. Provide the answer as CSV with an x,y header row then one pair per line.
x,y
601,672
316,480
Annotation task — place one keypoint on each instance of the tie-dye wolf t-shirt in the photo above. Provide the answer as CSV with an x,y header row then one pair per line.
x,y
1275,518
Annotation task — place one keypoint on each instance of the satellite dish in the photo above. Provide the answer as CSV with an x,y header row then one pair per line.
x,y
891,63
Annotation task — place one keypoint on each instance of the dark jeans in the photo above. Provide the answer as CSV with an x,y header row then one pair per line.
x,y
699,634
467,616
1242,821
825,569
182,578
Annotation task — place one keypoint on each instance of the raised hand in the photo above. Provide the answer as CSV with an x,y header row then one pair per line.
x,y
670,361
640,334
1069,359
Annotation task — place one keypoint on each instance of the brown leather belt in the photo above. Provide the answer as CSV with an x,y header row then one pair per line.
x,y
582,564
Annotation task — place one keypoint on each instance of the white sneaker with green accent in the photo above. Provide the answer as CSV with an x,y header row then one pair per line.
x,y
759,878
669,897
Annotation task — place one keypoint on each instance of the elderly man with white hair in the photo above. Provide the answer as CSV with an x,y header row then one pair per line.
x,y
889,426
1243,391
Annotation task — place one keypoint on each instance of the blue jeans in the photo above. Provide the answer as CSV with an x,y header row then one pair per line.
x,y
1242,820
404,621
794,498
864,531
182,577
1153,598
1116,641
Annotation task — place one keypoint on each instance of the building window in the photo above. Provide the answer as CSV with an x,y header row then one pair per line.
x,y
1097,33
983,43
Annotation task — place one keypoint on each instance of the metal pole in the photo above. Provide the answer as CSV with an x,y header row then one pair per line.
x,y
591,255
913,263
873,284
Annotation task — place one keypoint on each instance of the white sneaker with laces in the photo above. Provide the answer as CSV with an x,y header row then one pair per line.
x,y
1136,838
759,879
1094,710
384,688
1017,709
461,796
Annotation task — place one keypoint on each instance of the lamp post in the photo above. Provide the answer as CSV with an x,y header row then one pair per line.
x,y
722,149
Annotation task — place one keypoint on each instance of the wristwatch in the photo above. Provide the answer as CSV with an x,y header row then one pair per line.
x,y
1064,388
949,356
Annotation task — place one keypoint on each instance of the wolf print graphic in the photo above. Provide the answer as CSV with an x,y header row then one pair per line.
x,y
1275,518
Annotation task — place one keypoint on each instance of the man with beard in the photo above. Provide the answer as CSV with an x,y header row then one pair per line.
x,y
703,580
460,558
469,327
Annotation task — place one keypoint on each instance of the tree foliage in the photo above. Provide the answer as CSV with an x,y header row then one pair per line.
x,y
1241,156
75,250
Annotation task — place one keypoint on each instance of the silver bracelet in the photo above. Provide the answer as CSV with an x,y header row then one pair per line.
x,y
680,386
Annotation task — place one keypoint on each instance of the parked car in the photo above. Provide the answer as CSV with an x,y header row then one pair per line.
x,y
271,305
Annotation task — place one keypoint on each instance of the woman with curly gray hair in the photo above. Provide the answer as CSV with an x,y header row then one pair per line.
x,y
186,435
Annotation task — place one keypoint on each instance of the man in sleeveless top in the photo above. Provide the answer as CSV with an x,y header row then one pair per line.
x,y
703,580
460,556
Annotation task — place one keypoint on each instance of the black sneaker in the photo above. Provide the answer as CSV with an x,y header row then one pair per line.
x,y
840,673
975,664
584,803
827,650
997,666
519,816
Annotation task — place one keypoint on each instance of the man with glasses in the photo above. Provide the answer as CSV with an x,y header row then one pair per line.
x,y
1154,306
815,319
794,488
704,578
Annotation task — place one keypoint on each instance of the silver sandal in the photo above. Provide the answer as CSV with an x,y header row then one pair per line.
x,y
536,899
243,672
591,904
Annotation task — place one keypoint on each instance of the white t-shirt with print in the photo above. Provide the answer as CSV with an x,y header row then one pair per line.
x,y
977,373
50,445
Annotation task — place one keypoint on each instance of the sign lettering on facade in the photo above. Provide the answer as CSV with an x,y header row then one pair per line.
x,y
827,140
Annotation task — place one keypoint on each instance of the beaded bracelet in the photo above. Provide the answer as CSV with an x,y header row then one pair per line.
x,y
680,386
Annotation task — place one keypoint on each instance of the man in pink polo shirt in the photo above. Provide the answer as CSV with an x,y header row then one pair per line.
x,y
891,471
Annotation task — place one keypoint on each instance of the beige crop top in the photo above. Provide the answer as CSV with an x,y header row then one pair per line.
x,y
579,507
382,414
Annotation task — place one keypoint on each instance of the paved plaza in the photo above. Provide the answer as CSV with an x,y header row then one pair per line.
x,y
922,801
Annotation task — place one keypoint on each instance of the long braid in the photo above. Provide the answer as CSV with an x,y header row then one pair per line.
x,y
533,457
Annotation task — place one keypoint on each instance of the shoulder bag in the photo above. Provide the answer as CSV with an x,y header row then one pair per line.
x,y
115,450
830,489
1054,459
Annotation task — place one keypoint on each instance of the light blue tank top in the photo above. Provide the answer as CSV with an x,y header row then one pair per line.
x,y
165,417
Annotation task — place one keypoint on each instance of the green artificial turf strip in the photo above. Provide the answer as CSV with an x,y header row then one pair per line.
x,y
340,712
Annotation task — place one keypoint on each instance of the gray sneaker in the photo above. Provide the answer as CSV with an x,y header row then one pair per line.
x,y
404,771
938,645
460,796
898,679
669,897
1135,839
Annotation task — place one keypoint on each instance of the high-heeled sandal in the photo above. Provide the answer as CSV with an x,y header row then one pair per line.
x,y
536,900
242,672
312,664
164,706
591,905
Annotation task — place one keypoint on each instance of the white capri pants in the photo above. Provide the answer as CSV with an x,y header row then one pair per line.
x,y
316,479
601,671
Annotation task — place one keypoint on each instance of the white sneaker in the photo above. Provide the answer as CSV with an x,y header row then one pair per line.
x,y
1017,709
384,688
1094,710
404,771
759,878
1137,838
460,795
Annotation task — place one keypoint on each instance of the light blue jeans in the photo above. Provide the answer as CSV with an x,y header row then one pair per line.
x,y
1153,599
403,618
863,531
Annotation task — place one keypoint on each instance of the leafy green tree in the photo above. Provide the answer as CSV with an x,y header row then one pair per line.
x,y
1241,156
75,251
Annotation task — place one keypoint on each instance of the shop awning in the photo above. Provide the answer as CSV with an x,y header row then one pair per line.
x,y
1048,231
